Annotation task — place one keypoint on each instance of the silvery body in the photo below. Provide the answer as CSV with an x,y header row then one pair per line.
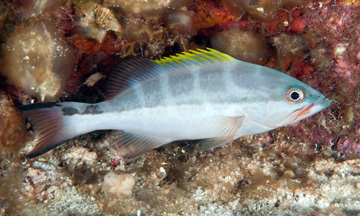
x,y
201,95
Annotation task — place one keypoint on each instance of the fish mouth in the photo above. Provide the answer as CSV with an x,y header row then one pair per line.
x,y
309,110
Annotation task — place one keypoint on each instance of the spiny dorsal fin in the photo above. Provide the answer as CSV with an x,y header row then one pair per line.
x,y
128,73
135,70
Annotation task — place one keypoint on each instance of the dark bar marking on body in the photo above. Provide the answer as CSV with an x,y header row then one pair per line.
x,y
180,84
92,109
152,92
212,79
69,111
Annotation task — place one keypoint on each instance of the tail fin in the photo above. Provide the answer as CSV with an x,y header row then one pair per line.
x,y
54,124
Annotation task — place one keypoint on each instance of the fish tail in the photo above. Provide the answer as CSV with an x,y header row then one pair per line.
x,y
55,123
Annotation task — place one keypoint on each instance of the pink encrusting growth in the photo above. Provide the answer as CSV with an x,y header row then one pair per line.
x,y
350,147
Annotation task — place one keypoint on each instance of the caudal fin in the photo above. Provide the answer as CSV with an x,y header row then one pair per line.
x,y
53,123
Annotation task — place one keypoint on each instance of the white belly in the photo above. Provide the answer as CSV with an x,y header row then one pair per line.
x,y
175,123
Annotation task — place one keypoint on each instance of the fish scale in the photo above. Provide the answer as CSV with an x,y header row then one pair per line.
x,y
202,94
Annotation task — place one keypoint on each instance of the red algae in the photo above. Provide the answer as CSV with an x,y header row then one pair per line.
x,y
300,70
335,52
86,46
209,14
94,55
297,21
335,27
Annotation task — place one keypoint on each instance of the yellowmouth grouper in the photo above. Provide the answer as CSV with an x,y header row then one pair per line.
x,y
197,95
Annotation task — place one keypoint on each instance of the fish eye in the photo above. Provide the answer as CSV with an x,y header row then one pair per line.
x,y
294,95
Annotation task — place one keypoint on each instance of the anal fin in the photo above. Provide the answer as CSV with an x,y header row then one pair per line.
x,y
207,144
132,145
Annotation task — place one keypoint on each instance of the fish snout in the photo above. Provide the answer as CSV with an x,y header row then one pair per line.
x,y
321,103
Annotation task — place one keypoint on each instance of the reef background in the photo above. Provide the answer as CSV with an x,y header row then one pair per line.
x,y
64,51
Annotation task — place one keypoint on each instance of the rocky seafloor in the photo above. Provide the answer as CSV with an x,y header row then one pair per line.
x,y
65,50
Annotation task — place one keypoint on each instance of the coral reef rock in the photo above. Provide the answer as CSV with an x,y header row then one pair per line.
x,y
139,31
118,185
30,8
243,45
180,22
12,127
290,45
262,9
38,60
77,156
141,8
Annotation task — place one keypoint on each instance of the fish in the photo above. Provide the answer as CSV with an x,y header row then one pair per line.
x,y
200,95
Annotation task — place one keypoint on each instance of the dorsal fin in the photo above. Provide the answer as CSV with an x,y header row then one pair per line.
x,y
194,57
135,70
128,73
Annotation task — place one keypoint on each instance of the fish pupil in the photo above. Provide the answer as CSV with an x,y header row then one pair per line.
x,y
294,96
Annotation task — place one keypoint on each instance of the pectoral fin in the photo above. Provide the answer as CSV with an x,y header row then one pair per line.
x,y
131,145
229,127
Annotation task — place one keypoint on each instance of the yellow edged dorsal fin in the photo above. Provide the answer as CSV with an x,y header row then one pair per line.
x,y
133,71
194,57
